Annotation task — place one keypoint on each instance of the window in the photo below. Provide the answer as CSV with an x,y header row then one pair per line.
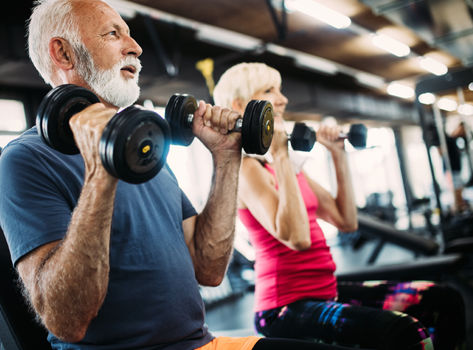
x,y
12,120
192,166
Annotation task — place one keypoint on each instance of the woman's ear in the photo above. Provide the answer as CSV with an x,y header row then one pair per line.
x,y
238,105
61,53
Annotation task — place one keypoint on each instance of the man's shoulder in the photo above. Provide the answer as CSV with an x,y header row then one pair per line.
x,y
29,139
28,151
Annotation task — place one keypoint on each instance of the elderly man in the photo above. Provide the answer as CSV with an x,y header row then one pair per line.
x,y
108,264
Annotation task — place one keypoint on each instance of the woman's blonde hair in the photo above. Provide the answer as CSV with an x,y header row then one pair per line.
x,y
242,81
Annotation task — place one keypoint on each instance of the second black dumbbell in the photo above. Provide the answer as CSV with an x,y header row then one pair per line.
x,y
303,137
256,125
133,146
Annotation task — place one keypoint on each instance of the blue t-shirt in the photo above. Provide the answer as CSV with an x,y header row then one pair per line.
x,y
153,299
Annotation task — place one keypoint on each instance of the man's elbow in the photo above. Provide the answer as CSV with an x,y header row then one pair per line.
x,y
69,328
210,279
72,337
66,333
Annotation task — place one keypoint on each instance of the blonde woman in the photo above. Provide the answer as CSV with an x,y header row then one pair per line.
x,y
296,294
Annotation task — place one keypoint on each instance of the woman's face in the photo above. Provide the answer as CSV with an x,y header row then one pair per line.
x,y
274,95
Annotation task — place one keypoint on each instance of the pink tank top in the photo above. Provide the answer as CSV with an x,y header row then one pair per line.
x,y
284,275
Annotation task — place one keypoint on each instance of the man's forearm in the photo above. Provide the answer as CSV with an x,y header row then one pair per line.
x,y
72,280
215,226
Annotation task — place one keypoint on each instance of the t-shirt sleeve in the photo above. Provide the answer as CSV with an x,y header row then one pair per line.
x,y
188,209
32,210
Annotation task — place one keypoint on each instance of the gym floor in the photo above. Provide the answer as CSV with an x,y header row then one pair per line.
x,y
234,316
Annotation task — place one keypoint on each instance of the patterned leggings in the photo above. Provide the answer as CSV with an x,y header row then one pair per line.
x,y
376,315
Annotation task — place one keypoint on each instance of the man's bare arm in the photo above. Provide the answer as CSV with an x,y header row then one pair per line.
x,y
67,280
210,235
212,241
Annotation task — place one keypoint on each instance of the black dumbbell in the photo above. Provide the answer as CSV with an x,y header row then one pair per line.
x,y
133,146
303,136
256,126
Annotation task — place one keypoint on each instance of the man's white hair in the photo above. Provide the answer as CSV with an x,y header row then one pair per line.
x,y
50,18
242,81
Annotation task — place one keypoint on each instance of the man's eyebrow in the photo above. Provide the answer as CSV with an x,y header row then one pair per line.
x,y
119,28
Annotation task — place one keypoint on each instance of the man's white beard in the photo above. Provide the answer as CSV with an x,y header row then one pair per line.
x,y
109,84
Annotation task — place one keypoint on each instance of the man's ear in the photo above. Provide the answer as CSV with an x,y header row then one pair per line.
x,y
61,53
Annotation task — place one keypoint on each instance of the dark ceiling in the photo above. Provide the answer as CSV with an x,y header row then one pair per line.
x,y
325,70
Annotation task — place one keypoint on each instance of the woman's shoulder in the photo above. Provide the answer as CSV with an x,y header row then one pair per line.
x,y
252,162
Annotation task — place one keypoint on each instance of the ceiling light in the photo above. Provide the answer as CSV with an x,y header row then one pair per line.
x,y
426,98
466,109
400,90
315,63
320,12
227,38
370,80
304,60
447,104
433,66
390,45
278,50
470,86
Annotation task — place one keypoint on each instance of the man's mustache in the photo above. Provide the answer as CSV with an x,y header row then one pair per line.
x,y
131,61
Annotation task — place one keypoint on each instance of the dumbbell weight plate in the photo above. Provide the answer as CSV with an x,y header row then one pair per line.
x,y
257,127
357,135
54,112
178,108
134,144
303,137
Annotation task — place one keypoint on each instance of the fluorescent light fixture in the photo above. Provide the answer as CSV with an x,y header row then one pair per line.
x,y
370,80
427,98
227,38
465,109
390,45
320,12
447,104
400,90
278,50
315,63
303,59
433,66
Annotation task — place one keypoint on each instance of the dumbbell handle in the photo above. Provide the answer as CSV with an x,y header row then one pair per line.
x,y
342,136
255,125
303,137
345,136
237,127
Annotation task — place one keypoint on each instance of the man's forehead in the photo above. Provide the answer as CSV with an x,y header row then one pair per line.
x,y
98,14
94,8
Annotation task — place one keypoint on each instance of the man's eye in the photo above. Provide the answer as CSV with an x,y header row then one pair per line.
x,y
113,32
